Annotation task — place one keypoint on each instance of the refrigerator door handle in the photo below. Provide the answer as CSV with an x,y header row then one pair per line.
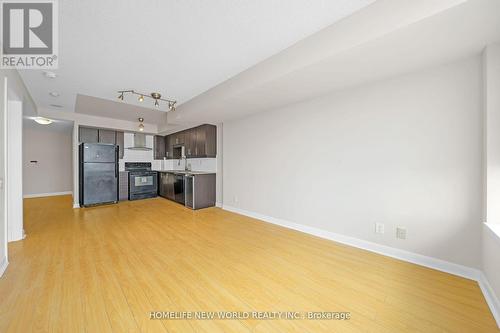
x,y
116,162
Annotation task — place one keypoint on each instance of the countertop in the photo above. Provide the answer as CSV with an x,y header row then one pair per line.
x,y
183,172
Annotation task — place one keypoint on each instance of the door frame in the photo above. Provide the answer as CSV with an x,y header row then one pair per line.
x,y
4,176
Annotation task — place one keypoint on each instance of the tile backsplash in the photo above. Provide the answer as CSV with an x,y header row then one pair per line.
x,y
195,164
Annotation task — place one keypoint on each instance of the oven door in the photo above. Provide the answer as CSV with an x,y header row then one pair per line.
x,y
140,183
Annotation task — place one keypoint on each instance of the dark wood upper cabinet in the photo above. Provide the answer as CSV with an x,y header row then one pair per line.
x,y
101,135
120,142
107,136
190,142
159,147
177,138
88,135
206,141
169,148
198,142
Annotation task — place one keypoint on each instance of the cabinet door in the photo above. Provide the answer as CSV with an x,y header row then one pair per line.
x,y
88,135
159,147
169,149
107,136
170,186
190,142
120,142
199,150
162,184
178,138
210,140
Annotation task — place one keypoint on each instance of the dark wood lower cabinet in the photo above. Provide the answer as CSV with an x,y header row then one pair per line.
x,y
166,185
123,185
199,189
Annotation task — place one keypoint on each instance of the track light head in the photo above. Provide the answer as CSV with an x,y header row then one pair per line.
x,y
141,98
120,96
171,106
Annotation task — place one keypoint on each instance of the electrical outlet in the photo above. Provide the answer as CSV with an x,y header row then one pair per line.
x,y
379,228
401,232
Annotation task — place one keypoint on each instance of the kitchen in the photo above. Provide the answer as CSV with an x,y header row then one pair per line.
x,y
118,166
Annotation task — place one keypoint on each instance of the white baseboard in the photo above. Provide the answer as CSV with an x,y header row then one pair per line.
x,y
218,204
415,258
75,205
490,296
3,265
39,195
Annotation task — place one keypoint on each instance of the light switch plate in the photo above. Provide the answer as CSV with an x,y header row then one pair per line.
x,y
401,232
379,228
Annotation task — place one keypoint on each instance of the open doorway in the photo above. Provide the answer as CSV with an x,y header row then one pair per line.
x,y
47,158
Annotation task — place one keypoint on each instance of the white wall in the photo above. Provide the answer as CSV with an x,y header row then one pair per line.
x,y
491,70
490,260
491,241
405,151
53,151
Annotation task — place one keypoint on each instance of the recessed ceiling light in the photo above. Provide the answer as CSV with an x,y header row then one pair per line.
x,y
56,105
43,121
54,94
50,75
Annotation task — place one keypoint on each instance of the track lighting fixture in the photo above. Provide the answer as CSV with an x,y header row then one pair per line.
x,y
141,125
154,95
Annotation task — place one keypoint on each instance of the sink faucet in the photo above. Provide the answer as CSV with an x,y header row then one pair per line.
x,y
185,163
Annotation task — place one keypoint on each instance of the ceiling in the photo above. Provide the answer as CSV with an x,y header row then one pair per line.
x,y
178,48
461,30
101,107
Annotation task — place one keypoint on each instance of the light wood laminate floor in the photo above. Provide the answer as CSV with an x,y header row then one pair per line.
x,y
105,269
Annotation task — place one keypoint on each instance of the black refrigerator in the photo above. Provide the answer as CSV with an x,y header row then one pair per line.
x,y
98,174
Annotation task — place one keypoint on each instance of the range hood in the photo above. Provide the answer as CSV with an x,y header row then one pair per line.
x,y
140,142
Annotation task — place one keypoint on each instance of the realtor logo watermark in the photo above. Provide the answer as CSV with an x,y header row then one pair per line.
x,y
29,34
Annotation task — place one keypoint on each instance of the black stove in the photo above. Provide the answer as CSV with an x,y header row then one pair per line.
x,y
143,182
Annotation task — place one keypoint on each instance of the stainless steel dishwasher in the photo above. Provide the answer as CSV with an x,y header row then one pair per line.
x,y
189,191
179,189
